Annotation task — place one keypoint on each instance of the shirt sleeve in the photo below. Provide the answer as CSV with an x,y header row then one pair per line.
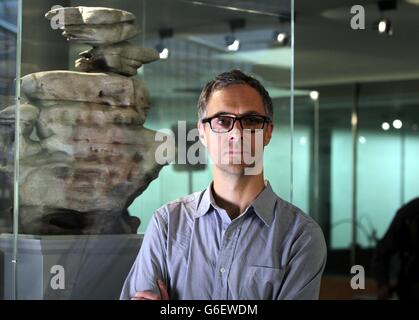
x,y
150,263
305,267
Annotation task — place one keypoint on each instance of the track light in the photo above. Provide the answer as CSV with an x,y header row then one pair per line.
x,y
231,42
163,50
280,38
384,24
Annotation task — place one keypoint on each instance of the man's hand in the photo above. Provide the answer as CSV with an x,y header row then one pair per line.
x,y
148,295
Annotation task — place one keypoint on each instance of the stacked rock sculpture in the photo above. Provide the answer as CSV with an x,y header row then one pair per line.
x,y
85,154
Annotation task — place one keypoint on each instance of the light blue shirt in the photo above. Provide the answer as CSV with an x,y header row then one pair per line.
x,y
272,251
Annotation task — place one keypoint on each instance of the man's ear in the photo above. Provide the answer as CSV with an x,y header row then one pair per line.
x,y
202,136
268,134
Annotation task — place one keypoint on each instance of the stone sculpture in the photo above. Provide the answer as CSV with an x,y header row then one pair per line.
x,y
85,154
122,58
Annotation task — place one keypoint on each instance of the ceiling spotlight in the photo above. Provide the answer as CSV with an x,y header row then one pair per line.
x,y
232,43
362,139
397,124
384,26
314,95
163,50
235,46
385,126
281,38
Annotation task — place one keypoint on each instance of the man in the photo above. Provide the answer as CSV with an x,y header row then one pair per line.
x,y
401,241
237,239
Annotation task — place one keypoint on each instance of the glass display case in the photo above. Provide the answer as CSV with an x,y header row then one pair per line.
x,y
102,85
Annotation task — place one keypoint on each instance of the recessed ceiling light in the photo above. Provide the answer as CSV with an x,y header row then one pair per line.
x,y
385,126
397,124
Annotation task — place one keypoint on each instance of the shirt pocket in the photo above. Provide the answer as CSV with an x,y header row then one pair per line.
x,y
261,283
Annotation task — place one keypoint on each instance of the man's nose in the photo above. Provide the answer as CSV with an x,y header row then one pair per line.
x,y
237,132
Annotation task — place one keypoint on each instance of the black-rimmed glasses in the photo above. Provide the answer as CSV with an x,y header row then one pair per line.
x,y
225,123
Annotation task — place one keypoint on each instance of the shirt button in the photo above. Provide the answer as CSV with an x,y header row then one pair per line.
x,y
222,270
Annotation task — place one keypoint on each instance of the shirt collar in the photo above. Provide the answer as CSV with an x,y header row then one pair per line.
x,y
204,202
263,205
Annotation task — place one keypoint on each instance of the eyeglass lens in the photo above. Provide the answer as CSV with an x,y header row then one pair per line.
x,y
226,123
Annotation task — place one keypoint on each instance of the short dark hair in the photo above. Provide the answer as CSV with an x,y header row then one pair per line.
x,y
229,78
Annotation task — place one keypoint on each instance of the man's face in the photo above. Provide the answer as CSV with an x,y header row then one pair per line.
x,y
231,151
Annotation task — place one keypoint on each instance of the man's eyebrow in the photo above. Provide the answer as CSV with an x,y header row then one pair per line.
x,y
224,113
255,113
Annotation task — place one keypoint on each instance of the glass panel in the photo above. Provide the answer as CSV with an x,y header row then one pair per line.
x,y
388,154
89,177
8,40
8,18
367,130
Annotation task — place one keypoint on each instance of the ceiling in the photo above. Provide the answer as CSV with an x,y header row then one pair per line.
x,y
327,50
